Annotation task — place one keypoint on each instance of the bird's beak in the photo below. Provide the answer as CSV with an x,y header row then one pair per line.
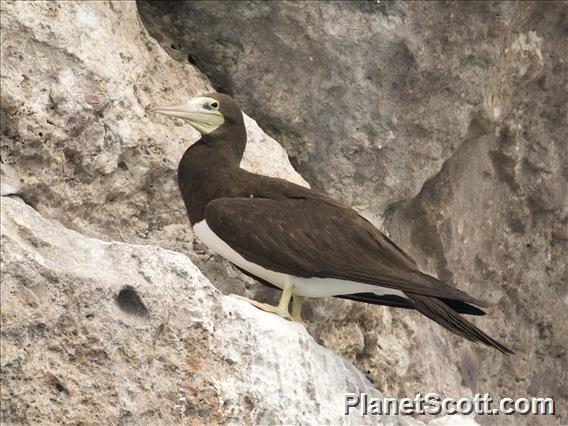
x,y
193,112
185,110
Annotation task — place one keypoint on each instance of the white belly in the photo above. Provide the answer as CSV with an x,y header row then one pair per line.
x,y
308,287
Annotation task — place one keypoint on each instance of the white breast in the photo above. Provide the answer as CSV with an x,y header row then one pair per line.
x,y
308,287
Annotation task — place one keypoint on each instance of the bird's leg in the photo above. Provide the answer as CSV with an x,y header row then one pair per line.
x,y
284,302
297,309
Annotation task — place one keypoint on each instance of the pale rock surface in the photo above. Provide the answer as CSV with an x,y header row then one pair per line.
x,y
448,120
78,147
116,333
76,141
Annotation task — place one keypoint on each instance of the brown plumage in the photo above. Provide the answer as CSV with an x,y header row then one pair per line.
x,y
296,231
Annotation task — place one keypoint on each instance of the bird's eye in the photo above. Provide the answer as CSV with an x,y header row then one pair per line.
x,y
214,105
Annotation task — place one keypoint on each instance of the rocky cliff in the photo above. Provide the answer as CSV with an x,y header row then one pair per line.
x,y
103,323
97,332
117,329
446,122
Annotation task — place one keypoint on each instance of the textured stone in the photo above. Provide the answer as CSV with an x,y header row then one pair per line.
x,y
135,334
473,171
116,333
77,143
446,120
110,332
356,91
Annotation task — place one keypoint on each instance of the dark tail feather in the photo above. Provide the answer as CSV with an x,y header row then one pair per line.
x,y
462,307
441,313
455,293
402,302
386,300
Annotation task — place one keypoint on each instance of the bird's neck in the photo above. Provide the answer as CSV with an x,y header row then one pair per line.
x,y
208,170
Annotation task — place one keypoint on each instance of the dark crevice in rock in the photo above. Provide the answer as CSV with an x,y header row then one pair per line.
x,y
30,200
130,302
58,386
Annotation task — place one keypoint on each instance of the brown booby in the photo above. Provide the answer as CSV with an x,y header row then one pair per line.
x,y
296,239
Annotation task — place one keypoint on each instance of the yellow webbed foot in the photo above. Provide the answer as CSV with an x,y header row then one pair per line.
x,y
265,306
282,308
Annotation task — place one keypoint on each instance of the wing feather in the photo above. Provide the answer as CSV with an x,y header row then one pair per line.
x,y
312,238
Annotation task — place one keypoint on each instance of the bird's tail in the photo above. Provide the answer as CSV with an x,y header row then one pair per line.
x,y
441,313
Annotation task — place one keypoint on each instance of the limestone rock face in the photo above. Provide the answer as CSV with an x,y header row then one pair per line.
x,y
358,91
108,332
111,332
117,333
77,143
463,151
449,121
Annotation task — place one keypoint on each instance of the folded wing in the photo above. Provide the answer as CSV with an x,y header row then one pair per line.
x,y
312,238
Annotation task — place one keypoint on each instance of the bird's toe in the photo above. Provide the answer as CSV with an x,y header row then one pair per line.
x,y
264,306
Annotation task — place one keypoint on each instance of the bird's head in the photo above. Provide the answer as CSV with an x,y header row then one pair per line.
x,y
206,113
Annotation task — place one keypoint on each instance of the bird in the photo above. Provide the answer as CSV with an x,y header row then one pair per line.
x,y
296,239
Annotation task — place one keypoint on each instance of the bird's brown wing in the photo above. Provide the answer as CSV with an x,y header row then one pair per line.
x,y
312,238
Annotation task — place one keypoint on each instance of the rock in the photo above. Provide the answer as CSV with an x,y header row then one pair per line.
x,y
356,91
77,143
110,332
446,120
476,104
